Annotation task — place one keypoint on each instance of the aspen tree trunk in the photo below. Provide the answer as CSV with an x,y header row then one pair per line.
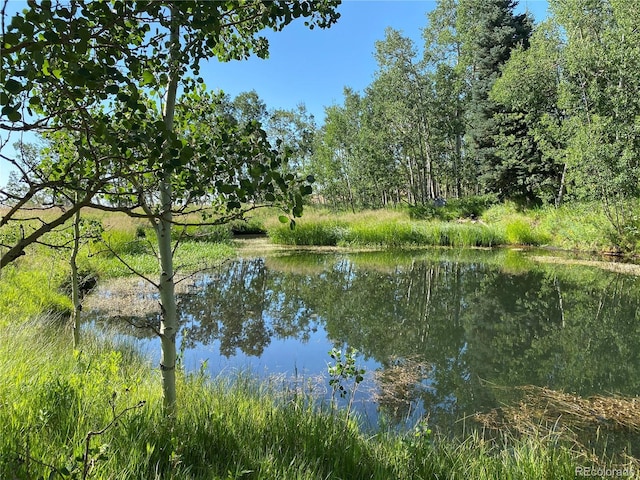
x,y
561,189
169,319
75,283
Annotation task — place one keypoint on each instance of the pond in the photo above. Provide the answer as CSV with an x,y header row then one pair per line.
x,y
441,333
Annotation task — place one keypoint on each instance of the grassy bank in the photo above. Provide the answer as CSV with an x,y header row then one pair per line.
x,y
576,227
51,398
39,282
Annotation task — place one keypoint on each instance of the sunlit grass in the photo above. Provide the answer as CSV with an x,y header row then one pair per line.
x,y
27,292
39,281
394,231
576,227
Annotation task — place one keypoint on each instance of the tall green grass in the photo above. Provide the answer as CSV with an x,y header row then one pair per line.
x,y
575,226
27,292
387,234
51,397
138,254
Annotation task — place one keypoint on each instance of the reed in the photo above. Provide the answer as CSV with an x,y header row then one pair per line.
x,y
576,226
386,233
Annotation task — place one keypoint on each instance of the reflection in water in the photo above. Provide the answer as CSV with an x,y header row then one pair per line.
x,y
446,334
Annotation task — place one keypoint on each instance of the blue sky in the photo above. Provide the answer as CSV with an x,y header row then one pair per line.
x,y
313,66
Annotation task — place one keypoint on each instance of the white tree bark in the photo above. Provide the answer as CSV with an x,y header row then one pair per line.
x,y
75,283
169,320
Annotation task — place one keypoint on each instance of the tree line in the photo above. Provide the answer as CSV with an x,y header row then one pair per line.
x,y
493,104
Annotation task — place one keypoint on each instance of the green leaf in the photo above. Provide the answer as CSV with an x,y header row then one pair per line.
x,y
84,72
10,39
12,113
283,219
51,36
147,77
13,86
186,153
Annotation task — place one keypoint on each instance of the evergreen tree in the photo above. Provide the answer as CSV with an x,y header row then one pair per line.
x,y
530,86
491,30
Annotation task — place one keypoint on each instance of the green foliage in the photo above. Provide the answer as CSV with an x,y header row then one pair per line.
x,y
136,145
123,242
519,232
455,208
59,396
202,233
580,226
533,149
28,290
308,233
344,375
491,30
39,281
388,234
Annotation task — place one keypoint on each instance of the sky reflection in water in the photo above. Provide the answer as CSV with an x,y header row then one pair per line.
x,y
440,332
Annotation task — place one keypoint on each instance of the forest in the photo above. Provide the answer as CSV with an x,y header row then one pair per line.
x,y
493,104
491,107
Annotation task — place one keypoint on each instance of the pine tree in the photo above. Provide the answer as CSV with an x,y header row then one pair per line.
x,y
492,30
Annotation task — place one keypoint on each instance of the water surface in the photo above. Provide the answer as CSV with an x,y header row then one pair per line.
x,y
442,333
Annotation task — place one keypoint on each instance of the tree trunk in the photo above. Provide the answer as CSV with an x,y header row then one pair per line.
x,y
169,320
166,287
75,283
561,189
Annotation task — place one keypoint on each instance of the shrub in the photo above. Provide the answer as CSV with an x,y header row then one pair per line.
x,y
466,207
423,212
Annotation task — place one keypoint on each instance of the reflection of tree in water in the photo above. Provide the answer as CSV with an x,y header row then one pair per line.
x,y
404,315
479,327
243,307
471,323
